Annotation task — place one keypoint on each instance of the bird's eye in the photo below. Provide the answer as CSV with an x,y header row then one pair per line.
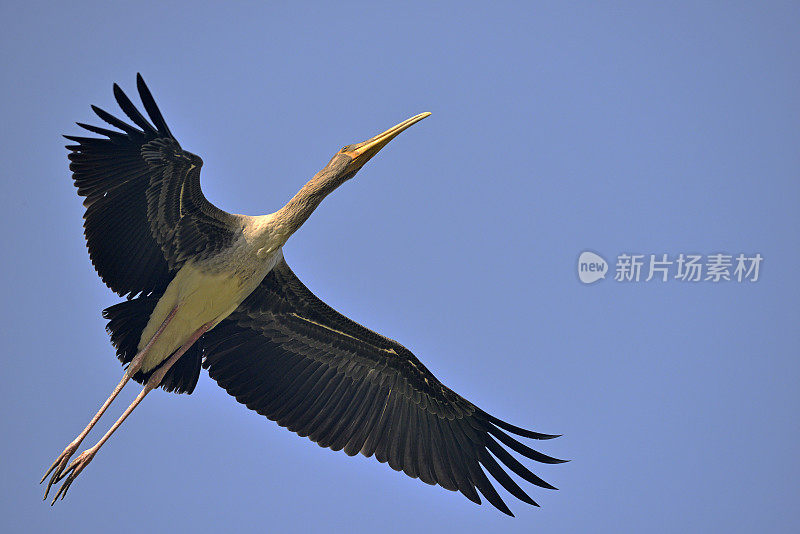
x,y
345,148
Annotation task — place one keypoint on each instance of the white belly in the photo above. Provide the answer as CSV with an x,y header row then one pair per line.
x,y
201,296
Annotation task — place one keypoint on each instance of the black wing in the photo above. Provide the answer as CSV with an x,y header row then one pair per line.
x,y
145,212
287,355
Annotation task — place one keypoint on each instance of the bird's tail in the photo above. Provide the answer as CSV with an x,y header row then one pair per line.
x,y
126,321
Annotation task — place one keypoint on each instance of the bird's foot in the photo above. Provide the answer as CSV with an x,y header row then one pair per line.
x,y
72,472
57,468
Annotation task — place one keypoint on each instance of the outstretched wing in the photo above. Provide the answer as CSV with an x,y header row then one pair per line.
x,y
145,212
287,355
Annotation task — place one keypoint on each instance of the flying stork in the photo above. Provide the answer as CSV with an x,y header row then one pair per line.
x,y
207,288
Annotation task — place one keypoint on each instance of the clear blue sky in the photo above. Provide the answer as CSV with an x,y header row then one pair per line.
x,y
555,129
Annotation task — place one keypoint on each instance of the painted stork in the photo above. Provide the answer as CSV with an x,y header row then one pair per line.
x,y
207,288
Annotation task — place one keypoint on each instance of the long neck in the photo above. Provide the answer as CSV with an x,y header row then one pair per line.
x,y
290,217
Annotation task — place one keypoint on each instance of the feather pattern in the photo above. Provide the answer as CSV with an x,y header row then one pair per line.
x,y
145,212
287,355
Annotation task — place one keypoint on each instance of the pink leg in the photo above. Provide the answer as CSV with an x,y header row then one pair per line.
x,y
61,462
155,379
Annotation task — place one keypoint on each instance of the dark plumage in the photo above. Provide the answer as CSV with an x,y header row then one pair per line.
x,y
145,211
287,355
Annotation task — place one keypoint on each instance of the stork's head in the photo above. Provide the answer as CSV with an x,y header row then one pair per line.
x,y
351,158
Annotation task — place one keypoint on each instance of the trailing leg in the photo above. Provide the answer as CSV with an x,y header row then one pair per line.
x,y
80,463
58,466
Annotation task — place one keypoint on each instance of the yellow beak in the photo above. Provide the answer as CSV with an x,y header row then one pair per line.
x,y
362,152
